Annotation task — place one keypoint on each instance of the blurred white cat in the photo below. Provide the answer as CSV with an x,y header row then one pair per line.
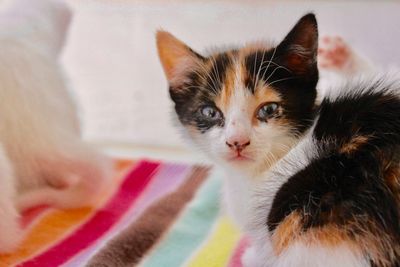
x,y
42,158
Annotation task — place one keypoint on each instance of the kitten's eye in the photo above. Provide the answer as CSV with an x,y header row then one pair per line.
x,y
210,112
266,111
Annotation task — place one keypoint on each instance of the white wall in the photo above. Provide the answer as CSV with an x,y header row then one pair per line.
x,y
111,55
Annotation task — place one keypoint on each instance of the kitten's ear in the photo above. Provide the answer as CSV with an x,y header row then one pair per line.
x,y
298,50
175,56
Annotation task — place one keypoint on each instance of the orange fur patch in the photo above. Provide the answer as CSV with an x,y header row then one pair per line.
x,y
267,94
290,231
361,235
354,144
287,232
224,98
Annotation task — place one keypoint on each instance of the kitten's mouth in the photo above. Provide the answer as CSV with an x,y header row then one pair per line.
x,y
239,157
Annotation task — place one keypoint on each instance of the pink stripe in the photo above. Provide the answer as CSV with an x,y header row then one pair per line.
x,y
103,220
168,178
236,260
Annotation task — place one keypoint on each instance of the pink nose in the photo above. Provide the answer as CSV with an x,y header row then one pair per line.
x,y
238,145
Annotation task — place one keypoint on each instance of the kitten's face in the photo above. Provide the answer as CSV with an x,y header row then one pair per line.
x,y
245,107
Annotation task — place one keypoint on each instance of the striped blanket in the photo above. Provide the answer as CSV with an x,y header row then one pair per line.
x,y
158,215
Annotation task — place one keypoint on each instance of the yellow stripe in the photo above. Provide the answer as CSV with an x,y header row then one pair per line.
x,y
218,248
57,224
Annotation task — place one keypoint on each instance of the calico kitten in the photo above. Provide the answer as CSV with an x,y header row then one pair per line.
x,y
327,174
42,158
245,107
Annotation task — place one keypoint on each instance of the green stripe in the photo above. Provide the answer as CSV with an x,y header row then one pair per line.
x,y
190,230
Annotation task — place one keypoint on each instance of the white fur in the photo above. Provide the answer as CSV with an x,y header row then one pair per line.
x,y
43,160
381,82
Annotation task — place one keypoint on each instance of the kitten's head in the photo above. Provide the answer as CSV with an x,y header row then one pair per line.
x,y
245,107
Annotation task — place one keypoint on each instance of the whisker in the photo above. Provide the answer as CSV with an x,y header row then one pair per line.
x,y
211,72
213,86
276,64
203,77
272,73
258,72
280,80
254,66
270,60
215,69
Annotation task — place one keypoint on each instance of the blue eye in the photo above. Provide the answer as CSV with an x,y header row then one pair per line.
x,y
210,112
267,111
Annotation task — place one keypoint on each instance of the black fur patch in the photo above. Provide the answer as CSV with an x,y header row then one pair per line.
x,y
202,86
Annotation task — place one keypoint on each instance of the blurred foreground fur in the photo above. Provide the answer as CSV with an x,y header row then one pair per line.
x,y
42,158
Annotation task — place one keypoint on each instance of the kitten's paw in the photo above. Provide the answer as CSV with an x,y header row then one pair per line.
x,y
334,54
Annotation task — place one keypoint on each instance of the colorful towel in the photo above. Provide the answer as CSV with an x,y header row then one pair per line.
x,y
159,214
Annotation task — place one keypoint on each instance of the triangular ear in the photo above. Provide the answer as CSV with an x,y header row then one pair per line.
x,y
298,50
175,56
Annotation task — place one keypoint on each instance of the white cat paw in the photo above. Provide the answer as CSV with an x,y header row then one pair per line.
x,y
334,54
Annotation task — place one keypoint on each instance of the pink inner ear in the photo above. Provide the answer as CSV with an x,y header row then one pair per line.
x,y
298,63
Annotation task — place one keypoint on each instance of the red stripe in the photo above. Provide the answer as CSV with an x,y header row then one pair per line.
x,y
102,221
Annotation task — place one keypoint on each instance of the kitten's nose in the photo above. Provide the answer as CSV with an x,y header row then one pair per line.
x,y
238,145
